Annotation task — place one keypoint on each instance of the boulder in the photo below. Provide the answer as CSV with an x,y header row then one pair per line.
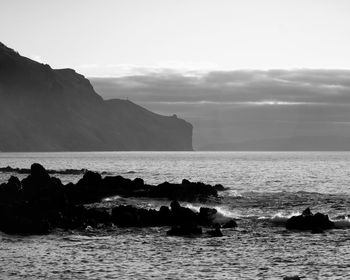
x,y
189,230
216,232
207,215
294,277
309,221
230,224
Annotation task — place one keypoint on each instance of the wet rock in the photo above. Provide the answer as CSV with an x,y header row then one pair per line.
x,y
210,216
309,221
98,216
219,187
317,231
216,232
10,169
40,203
34,205
207,215
189,230
187,191
177,216
230,224
295,277
38,172
182,215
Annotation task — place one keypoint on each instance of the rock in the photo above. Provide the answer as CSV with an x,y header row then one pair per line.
x,y
39,173
126,216
219,187
307,212
216,232
177,216
187,191
309,221
35,205
175,205
295,277
189,230
98,216
164,215
230,224
117,185
40,203
207,215
317,231
10,191
182,215
210,216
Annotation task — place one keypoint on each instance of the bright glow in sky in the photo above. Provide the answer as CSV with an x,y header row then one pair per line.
x,y
117,37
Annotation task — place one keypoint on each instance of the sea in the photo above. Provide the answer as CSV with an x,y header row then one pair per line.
x,y
264,189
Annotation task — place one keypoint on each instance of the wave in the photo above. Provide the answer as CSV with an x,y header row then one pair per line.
x,y
231,193
342,222
221,210
279,218
130,172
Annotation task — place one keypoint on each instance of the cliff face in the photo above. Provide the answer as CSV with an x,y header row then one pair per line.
x,y
42,109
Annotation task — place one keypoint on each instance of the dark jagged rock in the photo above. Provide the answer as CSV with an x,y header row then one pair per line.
x,y
189,230
210,216
207,215
230,224
294,277
130,216
183,220
92,187
309,221
10,169
59,110
219,187
185,191
216,232
40,203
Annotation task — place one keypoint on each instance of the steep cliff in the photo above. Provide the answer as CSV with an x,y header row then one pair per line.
x,y
42,109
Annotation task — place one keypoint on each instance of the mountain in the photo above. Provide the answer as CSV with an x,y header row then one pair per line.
x,y
44,109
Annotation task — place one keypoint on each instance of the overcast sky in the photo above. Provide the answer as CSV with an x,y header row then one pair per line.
x,y
113,37
254,73
232,108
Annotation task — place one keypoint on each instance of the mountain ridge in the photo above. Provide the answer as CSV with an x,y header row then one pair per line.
x,y
45,109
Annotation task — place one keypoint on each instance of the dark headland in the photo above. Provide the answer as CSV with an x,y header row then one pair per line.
x,y
42,109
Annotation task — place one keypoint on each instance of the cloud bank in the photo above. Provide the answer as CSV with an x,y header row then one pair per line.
x,y
235,108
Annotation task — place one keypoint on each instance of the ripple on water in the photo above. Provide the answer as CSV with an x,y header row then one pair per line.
x,y
258,251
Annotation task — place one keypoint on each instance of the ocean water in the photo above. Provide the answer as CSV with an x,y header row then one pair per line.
x,y
265,188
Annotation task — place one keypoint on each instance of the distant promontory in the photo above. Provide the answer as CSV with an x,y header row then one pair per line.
x,y
42,109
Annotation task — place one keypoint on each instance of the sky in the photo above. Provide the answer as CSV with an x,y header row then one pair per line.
x,y
248,74
248,109
113,37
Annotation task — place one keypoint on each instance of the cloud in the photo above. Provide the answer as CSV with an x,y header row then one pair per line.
x,y
320,86
243,105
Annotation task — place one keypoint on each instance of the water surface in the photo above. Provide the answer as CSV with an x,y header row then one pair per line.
x,y
265,188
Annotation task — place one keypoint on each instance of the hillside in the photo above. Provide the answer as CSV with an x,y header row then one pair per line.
x,y
42,109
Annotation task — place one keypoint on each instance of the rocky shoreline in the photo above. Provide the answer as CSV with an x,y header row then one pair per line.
x,y
39,204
